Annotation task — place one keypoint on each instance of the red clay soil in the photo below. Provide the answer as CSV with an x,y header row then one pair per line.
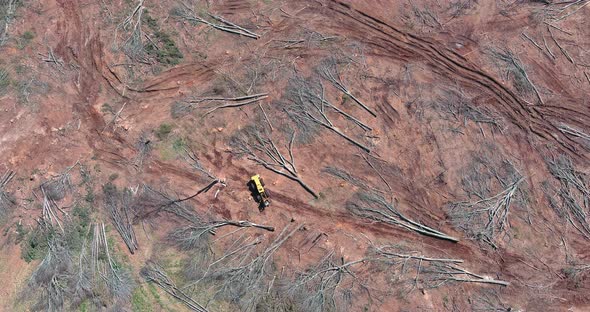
x,y
403,57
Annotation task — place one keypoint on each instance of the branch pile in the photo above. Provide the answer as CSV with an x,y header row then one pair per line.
x,y
484,219
456,106
7,201
132,24
118,205
573,196
493,189
242,273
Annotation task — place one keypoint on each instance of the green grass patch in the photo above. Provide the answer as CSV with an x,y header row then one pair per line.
x,y
84,306
140,301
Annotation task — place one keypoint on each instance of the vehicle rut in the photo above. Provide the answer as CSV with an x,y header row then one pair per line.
x,y
389,41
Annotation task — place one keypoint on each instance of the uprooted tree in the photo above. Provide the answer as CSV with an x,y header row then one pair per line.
x,y
154,273
118,205
7,201
188,13
196,236
329,71
213,103
242,273
375,208
305,103
571,200
258,146
430,272
493,189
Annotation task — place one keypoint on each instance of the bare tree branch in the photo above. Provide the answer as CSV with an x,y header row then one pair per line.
x,y
7,201
574,194
376,208
118,205
308,108
329,71
261,149
222,24
154,273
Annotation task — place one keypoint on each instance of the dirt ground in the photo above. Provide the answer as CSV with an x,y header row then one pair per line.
x,y
469,100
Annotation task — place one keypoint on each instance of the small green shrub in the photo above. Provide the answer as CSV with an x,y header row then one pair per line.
x,y
113,177
35,245
25,39
163,131
178,145
106,108
21,69
28,35
77,231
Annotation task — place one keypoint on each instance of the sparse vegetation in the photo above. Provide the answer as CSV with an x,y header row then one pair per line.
x,y
140,301
162,47
163,131
25,39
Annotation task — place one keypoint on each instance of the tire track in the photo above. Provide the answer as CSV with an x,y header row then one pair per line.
x,y
392,42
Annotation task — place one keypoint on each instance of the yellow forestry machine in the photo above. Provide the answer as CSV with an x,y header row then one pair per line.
x,y
256,186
